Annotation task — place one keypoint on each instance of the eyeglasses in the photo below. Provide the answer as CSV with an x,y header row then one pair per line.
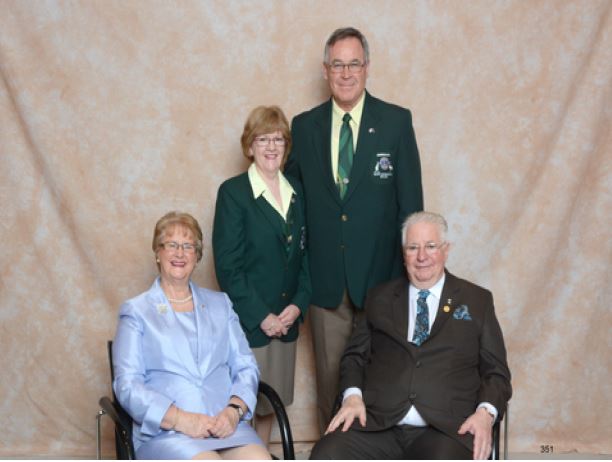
x,y
431,248
172,246
353,67
263,141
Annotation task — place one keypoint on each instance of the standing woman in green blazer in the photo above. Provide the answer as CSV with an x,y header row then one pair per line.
x,y
259,246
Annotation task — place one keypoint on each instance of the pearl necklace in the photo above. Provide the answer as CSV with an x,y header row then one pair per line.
x,y
183,300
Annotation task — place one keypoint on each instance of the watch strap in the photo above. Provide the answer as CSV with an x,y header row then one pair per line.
x,y
238,409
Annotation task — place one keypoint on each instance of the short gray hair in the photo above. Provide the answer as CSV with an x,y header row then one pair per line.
x,y
343,33
425,217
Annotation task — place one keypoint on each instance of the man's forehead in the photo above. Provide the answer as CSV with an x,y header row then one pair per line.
x,y
347,45
422,232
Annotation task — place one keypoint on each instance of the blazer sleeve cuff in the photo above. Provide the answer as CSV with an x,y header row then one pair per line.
x,y
249,398
151,423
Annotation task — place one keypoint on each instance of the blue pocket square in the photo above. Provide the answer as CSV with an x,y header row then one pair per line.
x,y
462,313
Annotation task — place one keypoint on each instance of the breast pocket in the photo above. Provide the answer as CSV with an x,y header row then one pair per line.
x,y
382,170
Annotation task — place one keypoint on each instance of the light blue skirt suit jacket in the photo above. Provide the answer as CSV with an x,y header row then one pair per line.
x,y
158,363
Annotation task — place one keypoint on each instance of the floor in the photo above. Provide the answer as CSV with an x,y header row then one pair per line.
x,y
302,451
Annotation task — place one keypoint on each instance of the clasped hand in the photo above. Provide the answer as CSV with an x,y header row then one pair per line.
x,y
202,426
277,326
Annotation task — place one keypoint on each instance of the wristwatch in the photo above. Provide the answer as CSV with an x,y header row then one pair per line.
x,y
238,408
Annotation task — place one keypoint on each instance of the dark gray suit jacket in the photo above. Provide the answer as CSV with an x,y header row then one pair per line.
x,y
462,363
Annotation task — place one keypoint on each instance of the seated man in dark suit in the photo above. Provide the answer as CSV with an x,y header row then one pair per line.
x,y
424,374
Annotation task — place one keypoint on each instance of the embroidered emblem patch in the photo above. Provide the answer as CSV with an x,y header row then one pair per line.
x,y
383,168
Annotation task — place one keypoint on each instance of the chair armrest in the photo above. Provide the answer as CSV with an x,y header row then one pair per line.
x,y
115,413
123,427
281,417
495,442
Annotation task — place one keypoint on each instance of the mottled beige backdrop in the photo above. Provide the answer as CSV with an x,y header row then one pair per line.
x,y
115,112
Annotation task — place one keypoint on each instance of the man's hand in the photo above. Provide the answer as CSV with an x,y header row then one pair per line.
x,y
352,407
226,422
479,424
194,424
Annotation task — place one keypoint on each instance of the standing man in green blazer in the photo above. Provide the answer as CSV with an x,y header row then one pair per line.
x,y
358,162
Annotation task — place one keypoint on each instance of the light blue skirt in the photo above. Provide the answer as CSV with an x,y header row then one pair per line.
x,y
174,445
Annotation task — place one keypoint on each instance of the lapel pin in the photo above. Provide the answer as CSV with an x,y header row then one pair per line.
x,y
446,308
371,130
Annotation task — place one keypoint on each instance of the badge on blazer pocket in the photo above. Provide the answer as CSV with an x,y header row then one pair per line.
x,y
384,167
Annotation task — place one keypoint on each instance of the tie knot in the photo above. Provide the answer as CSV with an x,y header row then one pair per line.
x,y
346,118
423,294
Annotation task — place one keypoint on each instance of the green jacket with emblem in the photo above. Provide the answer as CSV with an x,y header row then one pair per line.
x,y
260,260
355,242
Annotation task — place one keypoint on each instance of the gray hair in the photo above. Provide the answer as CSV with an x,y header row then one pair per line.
x,y
343,33
425,217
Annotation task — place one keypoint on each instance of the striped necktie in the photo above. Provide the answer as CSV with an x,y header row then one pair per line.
x,y
345,154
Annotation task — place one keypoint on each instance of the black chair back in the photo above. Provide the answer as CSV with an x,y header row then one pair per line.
x,y
123,433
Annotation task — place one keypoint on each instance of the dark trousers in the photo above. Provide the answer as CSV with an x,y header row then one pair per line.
x,y
399,442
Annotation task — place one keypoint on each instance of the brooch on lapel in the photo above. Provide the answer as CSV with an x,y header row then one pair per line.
x,y
162,308
462,313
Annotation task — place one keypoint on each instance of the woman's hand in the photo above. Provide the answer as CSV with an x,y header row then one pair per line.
x,y
272,326
194,424
289,315
226,422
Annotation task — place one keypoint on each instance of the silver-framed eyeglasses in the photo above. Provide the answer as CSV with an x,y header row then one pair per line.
x,y
173,246
354,67
430,248
264,141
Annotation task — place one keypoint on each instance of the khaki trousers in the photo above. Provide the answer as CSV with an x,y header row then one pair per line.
x,y
331,329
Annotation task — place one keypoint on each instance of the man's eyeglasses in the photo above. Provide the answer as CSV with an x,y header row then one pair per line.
x,y
263,141
431,248
353,67
172,246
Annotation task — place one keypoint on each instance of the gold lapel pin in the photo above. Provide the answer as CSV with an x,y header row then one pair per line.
x,y
446,308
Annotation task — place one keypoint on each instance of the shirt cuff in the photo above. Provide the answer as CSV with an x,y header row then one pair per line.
x,y
490,409
350,392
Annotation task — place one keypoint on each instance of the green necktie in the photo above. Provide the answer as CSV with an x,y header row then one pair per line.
x,y
345,154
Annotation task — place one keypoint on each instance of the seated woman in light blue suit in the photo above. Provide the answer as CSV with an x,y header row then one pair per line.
x,y
183,368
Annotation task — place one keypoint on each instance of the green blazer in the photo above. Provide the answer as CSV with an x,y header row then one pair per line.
x,y
355,242
260,259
